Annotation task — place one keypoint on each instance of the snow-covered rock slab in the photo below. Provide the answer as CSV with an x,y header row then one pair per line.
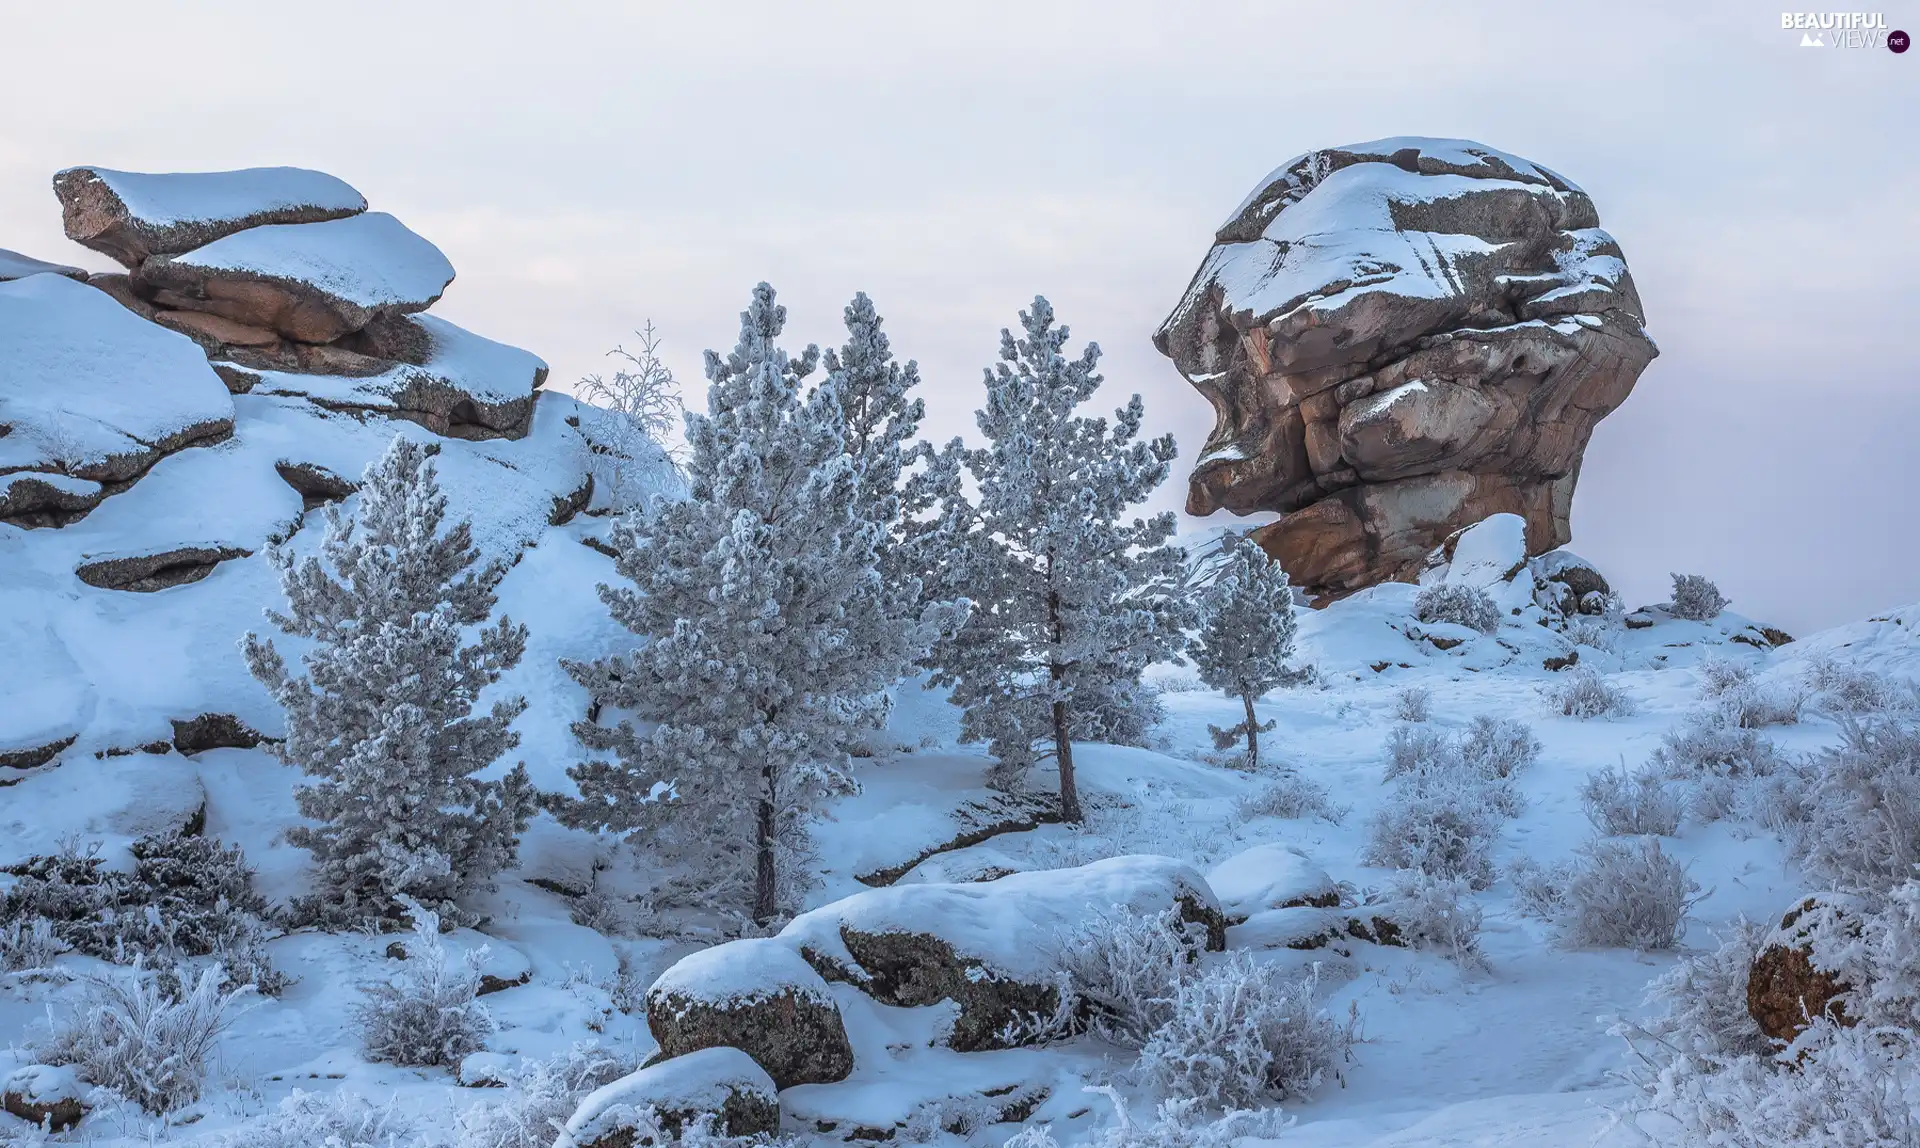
x,y
14,265
105,801
723,1083
312,282
91,390
1270,876
132,215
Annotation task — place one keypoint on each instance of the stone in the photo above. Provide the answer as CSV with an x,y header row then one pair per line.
x,y
1270,877
1784,986
133,215
1400,339
311,282
45,1095
14,265
213,731
760,997
722,1083
204,328
146,573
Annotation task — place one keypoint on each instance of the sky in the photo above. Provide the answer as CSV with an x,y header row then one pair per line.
x,y
590,167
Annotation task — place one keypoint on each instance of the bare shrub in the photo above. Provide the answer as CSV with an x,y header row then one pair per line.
x,y
1435,913
128,1034
1291,795
1594,633
1123,969
1696,599
1499,747
1631,804
1862,828
544,1093
1844,689
1413,704
1444,827
1459,605
1242,1033
338,1119
29,944
1419,749
1626,894
1583,693
1540,890
427,1014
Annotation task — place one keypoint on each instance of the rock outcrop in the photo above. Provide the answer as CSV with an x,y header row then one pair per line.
x,y
133,215
1401,338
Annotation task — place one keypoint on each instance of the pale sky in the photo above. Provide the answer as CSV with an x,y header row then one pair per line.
x,y
588,167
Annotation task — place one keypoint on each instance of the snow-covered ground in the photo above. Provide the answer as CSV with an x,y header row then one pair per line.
x,y
1513,1050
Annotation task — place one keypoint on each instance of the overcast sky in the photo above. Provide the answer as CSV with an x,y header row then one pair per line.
x,y
589,166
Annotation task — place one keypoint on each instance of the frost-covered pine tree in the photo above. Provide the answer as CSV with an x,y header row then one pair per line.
x,y
770,632
1070,603
1246,635
882,417
384,719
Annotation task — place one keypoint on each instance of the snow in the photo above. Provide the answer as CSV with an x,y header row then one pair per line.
x,y
88,381
371,260
109,801
740,972
1267,877
698,1080
213,196
14,265
1489,551
44,1084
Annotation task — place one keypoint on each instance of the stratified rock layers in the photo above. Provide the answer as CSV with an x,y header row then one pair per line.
x,y
1398,339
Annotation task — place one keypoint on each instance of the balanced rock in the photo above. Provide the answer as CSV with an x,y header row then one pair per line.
x,y
758,996
1399,339
133,215
655,1104
311,282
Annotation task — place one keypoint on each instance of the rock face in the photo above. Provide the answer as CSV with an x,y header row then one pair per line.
x,y
722,1083
1399,339
757,996
1784,986
132,215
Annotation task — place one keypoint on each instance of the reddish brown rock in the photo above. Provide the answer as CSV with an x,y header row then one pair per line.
x,y
1399,339
132,215
1784,986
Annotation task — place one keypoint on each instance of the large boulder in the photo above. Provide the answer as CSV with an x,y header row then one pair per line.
x,y
132,215
310,282
988,946
756,995
1270,877
658,1102
50,1096
1399,339
1784,985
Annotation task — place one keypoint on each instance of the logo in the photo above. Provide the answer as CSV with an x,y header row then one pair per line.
x,y
1844,30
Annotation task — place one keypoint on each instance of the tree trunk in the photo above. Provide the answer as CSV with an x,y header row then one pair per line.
x,y
1063,755
765,904
1253,734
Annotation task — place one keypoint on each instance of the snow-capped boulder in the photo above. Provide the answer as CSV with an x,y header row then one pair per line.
x,y
1488,553
14,265
132,215
988,946
1270,876
44,1094
1402,338
92,394
756,995
723,1083
312,282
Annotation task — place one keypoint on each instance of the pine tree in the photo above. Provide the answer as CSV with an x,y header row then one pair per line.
x,y
383,718
1070,603
1246,635
881,418
771,633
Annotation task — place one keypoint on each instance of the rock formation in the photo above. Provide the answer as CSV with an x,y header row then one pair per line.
x,y
1400,338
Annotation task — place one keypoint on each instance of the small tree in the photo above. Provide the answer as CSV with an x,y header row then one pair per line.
x,y
634,436
1246,636
384,717
770,630
1070,603
1696,598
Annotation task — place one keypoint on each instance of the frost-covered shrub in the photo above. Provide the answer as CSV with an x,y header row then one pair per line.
x,y
1179,1122
544,1094
1594,633
1435,913
1862,804
427,1014
1708,744
1540,890
1704,996
1583,693
1696,599
338,1119
1290,795
1844,689
1459,605
1722,675
1419,749
1443,827
1413,704
127,1033
1122,970
1243,1033
29,943
1626,894
1631,804
1498,747
74,892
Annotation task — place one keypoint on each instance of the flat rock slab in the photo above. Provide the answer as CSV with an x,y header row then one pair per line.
x,y
92,391
14,265
311,282
134,215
